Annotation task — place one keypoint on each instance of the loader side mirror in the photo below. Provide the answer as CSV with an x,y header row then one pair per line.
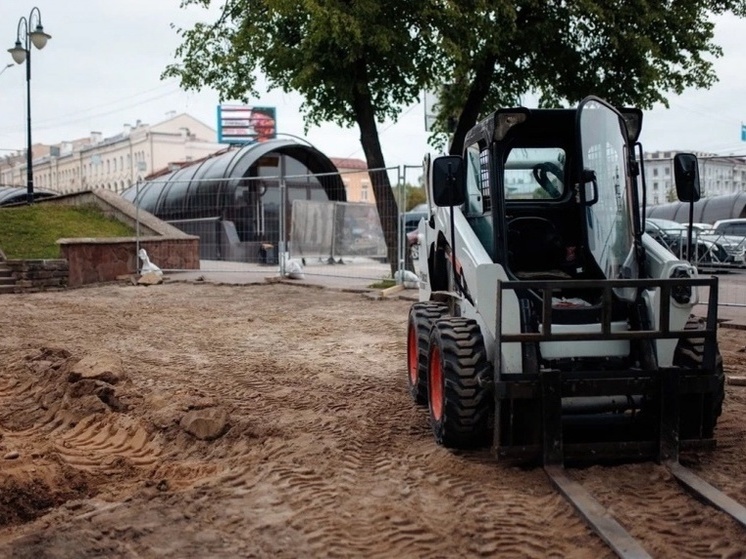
x,y
686,175
448,181
590,187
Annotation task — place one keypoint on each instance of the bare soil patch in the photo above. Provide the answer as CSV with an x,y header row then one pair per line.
x,y
198,420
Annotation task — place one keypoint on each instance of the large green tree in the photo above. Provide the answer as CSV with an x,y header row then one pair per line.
x,y
358,62
630,52
354,62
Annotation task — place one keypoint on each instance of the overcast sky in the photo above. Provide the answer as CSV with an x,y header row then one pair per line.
x,y
102,67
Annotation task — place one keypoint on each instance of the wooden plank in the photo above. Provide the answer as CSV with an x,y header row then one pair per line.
x,y
710,494
391,290
597,517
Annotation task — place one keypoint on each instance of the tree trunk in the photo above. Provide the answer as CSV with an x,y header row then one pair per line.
x,y
480,87
388,212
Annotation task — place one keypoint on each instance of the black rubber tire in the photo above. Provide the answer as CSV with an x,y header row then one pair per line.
x,y
460,408
421,318
689,354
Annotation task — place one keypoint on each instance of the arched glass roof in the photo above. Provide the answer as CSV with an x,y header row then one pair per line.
x,y
706,210
209,186
16,194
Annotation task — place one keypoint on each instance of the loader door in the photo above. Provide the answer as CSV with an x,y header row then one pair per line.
x,y
478,207
605,189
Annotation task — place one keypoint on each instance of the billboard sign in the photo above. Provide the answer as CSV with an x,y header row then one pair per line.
x,y
242,124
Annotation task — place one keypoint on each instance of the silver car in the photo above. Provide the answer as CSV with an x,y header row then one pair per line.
x,y
712,249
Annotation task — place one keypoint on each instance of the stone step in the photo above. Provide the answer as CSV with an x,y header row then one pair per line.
x,y
7,281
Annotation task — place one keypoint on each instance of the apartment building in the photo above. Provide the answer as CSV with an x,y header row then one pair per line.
x,y
718,175
355,177
114,162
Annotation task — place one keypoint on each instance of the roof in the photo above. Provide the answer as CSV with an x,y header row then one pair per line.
x,y
707,210
205,187
349,164
175,165
18,194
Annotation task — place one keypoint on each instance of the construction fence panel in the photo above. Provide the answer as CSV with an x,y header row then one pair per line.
x,y
242,228
237,229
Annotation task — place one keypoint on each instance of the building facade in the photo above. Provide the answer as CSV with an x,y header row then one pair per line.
x,y
113,163
356,179
719,175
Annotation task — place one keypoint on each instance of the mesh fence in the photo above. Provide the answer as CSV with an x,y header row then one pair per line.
x,y
242,228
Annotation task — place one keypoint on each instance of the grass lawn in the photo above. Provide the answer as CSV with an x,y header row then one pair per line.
x,y
32,231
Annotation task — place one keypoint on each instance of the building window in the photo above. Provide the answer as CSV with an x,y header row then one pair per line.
x,y
667,171
364,193
655,172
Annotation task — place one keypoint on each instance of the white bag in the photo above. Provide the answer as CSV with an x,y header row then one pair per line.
x,y
409,279
147,265
294,269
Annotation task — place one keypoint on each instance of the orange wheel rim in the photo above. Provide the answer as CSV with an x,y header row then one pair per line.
x,y
435,384
412,357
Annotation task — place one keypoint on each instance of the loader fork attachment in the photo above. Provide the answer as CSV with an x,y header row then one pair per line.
x,y
644,426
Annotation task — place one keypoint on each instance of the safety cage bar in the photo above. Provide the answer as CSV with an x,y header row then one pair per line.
x,y
664,331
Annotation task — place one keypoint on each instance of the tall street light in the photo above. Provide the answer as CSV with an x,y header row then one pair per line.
x,y
21,53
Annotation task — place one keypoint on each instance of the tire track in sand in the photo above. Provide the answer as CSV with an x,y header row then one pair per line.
x,y
369,446
649,503
98,443
76,425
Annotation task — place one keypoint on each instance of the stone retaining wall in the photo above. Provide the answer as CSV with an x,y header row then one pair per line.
x,y
38,275
105,259
101,260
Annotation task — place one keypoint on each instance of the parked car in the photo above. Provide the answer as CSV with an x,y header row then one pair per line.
x,y
700,228
731,233
735,227
712,249
411,221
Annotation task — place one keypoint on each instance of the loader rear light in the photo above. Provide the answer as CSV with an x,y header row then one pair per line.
x,y
682,294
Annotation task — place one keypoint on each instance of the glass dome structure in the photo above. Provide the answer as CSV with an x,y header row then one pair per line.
x,y
232,200
706,210
18,194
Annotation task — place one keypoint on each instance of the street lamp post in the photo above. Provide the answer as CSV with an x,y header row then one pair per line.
x,y
21,53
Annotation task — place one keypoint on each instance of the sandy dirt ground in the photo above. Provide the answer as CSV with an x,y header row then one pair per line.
x,y
195,420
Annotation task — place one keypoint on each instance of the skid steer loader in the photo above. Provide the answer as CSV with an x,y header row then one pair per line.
x,y
549,325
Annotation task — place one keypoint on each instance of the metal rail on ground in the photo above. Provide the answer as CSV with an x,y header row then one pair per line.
x,y
602,522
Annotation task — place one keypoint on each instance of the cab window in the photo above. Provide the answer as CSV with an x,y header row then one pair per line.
x,y
535,174
477,181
